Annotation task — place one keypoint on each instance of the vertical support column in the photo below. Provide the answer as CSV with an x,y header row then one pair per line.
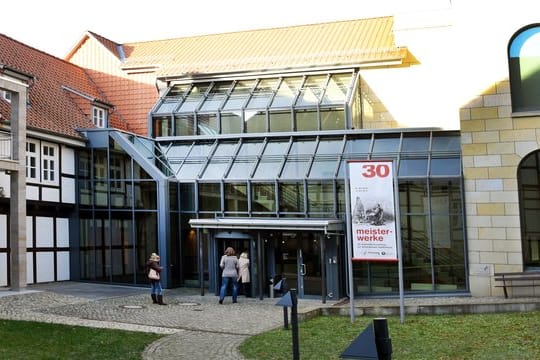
x,y
17,222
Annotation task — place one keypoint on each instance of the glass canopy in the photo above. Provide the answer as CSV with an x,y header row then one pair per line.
x,y
323,157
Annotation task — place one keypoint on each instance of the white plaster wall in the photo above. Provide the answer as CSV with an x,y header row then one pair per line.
x,y
45,268
68,190
44,232
62,232
68,161
3,269
29,269
3,231
32,192
50,194
29,233
63,265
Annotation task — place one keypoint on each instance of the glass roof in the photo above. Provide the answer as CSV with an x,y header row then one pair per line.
x,y
275,92
297,157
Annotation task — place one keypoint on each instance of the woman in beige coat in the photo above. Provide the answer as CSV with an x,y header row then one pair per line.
x,y
243,274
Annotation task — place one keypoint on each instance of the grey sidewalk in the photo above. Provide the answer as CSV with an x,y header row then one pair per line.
x,y
197,326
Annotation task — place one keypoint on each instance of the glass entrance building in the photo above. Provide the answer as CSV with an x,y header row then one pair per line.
x,y
258,163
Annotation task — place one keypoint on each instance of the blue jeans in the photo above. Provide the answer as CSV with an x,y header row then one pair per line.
x,y
225,284
155,288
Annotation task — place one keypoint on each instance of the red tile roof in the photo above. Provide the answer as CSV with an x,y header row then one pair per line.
x,y
59,95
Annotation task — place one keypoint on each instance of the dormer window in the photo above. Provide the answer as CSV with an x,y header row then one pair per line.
x,y
99,117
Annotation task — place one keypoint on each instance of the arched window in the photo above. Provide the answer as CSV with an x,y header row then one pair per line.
x,y
529,208
524,63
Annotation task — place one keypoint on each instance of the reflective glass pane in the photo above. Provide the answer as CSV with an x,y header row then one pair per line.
x,y
255,121
236,197
332,119
329,147
239,95
184,125
178,90
287,91
276,148
263,197
162,126
215,170
268,169
415,144
241,169
216,96
358,146
262,94
412,197
446,143
167,106
209,197
200,150
280,121
337,89
385,145
187,196
320,197
196,95
231,123
295,169
190,170
306,120
323,168
303,147
413,167
250,149
291,197
225,149
145,195
207,124
448,167
311,92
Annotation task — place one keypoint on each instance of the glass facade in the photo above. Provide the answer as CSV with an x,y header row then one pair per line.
x,y
272,148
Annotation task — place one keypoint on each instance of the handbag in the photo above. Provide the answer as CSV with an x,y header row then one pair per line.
x,y
153,275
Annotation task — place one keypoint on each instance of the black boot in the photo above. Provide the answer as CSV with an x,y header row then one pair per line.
x,y
154,299
160,300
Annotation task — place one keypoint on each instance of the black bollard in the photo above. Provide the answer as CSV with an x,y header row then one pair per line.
x,y
294,323
382,339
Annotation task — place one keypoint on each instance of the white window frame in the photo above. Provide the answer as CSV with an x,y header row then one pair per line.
x,y
32,161
99,117
6,95
49,163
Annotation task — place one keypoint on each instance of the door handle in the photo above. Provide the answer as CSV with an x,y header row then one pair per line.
x,y
303,269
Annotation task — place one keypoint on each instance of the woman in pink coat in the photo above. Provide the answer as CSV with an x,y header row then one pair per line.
x,y
243,274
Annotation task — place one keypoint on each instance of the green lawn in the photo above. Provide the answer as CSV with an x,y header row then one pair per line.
x,y
506,336
33,340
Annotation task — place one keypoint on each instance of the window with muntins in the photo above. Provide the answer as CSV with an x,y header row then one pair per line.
x,y
32,163
524,69
99,117
49,161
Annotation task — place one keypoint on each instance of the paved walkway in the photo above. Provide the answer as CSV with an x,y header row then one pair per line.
x,y
197,327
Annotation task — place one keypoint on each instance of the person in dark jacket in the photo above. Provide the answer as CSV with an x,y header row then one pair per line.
x,y
156,291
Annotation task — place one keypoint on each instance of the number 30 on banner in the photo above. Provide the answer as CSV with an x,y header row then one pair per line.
x,y
375,170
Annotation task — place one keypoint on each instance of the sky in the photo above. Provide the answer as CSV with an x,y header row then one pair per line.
x,y
55,26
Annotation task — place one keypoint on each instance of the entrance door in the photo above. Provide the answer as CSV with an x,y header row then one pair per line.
x,y
239,242
298,261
